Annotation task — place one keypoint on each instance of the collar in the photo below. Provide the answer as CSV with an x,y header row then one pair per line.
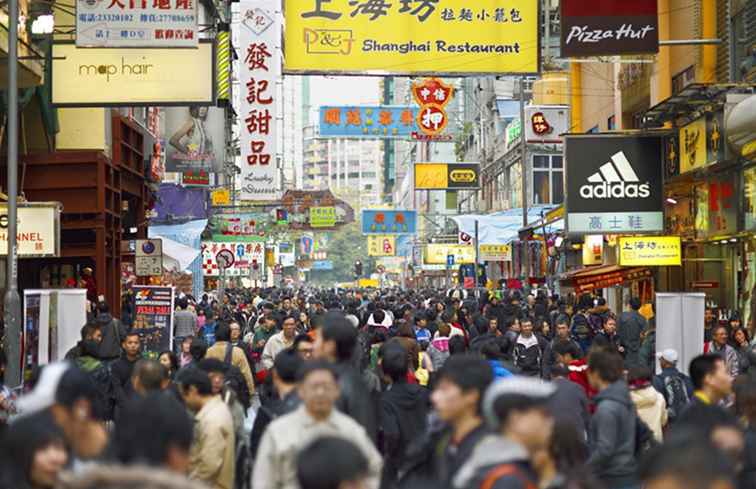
x,y
703,397
309,421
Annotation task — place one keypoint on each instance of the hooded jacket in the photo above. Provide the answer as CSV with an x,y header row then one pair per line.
x,y
630,326
357,399
494,451
439,351
113,334
612,437
652,409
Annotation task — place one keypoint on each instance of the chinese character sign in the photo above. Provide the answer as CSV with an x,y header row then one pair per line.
x,y
432,95
381,245
389,222
246,256
136,23
384,122
650,251
412,36
322,217
259,70
153,317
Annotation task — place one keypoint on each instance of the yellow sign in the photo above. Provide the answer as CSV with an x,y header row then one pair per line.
x,y
444,176
322,217
431,176
367,283
693,146
220,196
495,252
122,76
450,37
437,254
650,251
381,245
593,249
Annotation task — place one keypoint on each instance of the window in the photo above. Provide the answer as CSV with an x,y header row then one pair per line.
x,y
548,184
611,123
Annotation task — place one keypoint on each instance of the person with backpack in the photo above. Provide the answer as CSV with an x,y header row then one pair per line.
x,y
675,386
113,333
239,374
581,327
528,351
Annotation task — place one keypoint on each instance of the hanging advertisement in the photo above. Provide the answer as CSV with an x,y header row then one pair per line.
x,y
432,95
153,317
259,71
381,245
220,197
454,37
130,24
438,254
614,184
702,143
246,257
650,251
447,176
120,77
495,252
717,206
389,222
609,27
593,249
546,124
196,139
381,122
322,217
37,229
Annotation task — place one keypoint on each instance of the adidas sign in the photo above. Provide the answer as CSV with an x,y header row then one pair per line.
x,y
615,179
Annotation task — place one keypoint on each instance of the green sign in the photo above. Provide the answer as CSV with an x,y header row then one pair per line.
x,y
513,132
322,217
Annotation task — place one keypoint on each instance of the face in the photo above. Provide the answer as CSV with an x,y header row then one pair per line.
x,y
305,349
720,336
423,323
493,324
185,346
47,464
217,380
610,327
289,328
532,427
719,380
287,304
545,329
451,402
269,324
319,392
515,326
96,336
131,346
165,361
235,331
740,336
303,318
192,398
562,331
527,328
708,315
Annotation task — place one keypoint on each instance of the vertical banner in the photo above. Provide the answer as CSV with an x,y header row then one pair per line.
x,y
259,70
153,307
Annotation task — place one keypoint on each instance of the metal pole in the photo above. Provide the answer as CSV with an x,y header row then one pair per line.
x,y
524,155
477,253
12,300
689,42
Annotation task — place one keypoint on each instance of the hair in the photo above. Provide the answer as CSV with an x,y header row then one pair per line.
x,y
198,349
444,329
315,366
447,316
173,358
559,370
395,363
159,418
341,332
701,366
102,307
88,330
149,373
328,462
379,316
469,373
635,303
212,365
562,319
301,338
223,332
193,376
287,364
457,345
183,303
491,351
504,405
3,359
76,385
21,441
639,374
131,334
563,347
607,364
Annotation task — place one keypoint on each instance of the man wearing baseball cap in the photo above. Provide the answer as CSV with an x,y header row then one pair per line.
x,y
675,386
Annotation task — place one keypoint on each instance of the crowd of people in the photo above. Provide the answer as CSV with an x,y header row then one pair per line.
x,y
354,389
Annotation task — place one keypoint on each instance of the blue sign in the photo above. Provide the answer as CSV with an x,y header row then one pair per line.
x,y
449,260
389,222
323,266
381,122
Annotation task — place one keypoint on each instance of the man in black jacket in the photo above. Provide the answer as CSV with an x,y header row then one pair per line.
x,y
631,326
113,333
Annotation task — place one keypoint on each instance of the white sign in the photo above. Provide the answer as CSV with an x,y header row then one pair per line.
x,y
136,23
37,232
259,72
246,255
546,124
148,261
225,259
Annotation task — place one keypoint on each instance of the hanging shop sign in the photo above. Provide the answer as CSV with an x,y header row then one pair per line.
x,y
118,77
259,72
613,277
609,27
148,257
672,155
447,176
453,37
436,254
379,245
495,252
195,178
246,257
614,184
593,249
702,143
717,206
379,122
432,95
196,139
153,317
220,196
749,198
513,133
650,251
140,24
546,124
389,222
37,229
322,217
322,266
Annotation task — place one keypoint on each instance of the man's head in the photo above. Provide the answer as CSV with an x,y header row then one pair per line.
x,y
668,358
132,345
610,326
223,332
103,308
290,327
286,304
286,367
269,323
234,331
719,336
332,463
216,370
303,345
566,352
460,386
91,332
526,327
562,328
604,367
147,376
634,303
493,325
336,341
394,362
195,387
318,388
77,411
183,303
708,315
198,349
709,374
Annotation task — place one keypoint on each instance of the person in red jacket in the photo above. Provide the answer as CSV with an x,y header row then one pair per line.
x,y
567,354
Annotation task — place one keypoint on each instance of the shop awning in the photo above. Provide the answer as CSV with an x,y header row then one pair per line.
x,y
499,227
588,279
177,257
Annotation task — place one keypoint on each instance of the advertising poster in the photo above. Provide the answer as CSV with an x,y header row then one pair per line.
x,y
153,317
389,222
382,122
196,139
322,217
381,245
447,176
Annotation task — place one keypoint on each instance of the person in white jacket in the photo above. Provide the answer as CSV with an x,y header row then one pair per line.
x,y
651,406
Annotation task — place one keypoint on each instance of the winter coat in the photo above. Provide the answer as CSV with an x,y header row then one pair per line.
x,y
570,403
528,355
492,452
213,453
652,409
646,355
357,400
630,326
113,334
612,437
499,371
581,331
439,352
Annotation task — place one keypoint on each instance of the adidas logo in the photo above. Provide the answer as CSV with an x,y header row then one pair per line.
x,y
615,179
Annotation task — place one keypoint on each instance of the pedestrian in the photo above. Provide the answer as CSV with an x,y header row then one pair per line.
x,y
279,341
147,377
570,401
286,437
562,464
7,396
561,335
123,368
113,333
719,345
185,355
609,332
745,396
649,403
630,328
740,340
170,361
184,323
331,462
89,332
528,352
234,356
439,347
675,386
712,384
303,345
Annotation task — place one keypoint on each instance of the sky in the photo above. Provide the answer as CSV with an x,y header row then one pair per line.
x,y
344,90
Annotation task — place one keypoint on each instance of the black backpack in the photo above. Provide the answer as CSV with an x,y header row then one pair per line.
x,y
676,395
236,381
106,392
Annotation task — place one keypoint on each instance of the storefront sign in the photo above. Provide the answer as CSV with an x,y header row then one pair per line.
x,y
610,279
672,155
512,133
259,72
220,197
650,251
323,266
381,122
246,257
153,317
198,178
322,217
495,252
403,37
447,176
130,24
702,143
148,258
196,139
593,249
389,222
37,230
749,198
609,27
119,77
614,184
432,95
436,254
381,245
717,206
546,124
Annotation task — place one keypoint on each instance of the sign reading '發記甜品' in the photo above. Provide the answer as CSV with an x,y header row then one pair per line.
x,y
402,36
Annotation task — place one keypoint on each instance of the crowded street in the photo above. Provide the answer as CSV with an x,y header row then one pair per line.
x,y
378,244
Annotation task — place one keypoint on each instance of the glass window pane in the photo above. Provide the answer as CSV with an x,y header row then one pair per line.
x,y
557,188
556,161
541,193
540,161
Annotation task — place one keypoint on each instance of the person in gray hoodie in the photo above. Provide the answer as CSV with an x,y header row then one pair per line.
x,y
612,437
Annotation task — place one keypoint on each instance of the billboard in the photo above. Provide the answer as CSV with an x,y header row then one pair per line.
x,y
118,77
259,72
389,222
650,251
447,176
38,229
438,254
130,24
322,217
614,184
379,245
609,27
196,139
455,37
546,124
383,122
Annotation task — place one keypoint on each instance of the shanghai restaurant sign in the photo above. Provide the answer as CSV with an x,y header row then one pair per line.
x,y
450,37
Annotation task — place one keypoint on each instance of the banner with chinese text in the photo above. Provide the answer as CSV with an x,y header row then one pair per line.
x,y
382,122
650,251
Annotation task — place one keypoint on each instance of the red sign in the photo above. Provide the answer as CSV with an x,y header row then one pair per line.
x,y
704,285
432,95
540,125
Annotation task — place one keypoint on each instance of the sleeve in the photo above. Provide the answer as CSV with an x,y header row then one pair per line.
x,y
240,358
375,462
602,449
213,447
267,356
266,469
664,416
390,428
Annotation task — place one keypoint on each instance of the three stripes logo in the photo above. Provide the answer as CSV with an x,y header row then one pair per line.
x,y
616,179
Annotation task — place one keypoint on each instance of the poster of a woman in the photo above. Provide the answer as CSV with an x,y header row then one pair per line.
x,y
195,137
